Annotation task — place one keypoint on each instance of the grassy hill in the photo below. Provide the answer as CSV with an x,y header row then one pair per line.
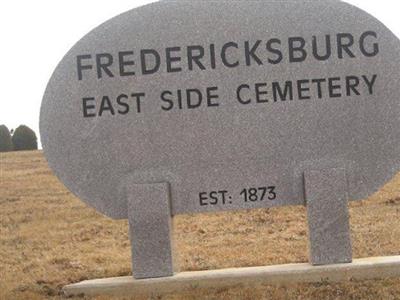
x,y
49,238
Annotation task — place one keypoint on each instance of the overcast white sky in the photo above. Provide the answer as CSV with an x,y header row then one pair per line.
x,y
35,35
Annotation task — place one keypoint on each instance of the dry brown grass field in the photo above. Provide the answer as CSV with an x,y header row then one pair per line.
x,y
49,238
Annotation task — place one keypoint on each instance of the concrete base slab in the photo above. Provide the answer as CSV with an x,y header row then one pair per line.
x,y
364,268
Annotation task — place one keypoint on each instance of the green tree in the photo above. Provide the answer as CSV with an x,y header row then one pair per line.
x,y
5,139
24,138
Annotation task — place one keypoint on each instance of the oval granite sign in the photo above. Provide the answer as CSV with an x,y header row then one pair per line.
x,y
227,101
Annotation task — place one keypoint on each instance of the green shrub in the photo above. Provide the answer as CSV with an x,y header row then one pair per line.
x,y
24,138
5,139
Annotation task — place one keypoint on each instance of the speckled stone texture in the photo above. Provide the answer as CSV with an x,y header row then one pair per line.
x,y
150,230
233,146
328,217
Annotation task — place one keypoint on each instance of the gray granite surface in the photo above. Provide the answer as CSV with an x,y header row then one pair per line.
x,y
111,113
328,216
150,230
